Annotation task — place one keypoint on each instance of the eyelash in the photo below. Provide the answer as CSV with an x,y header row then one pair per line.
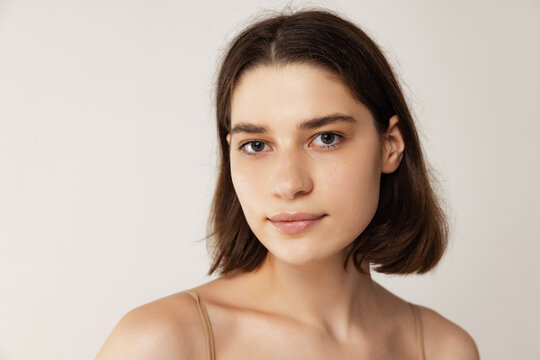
x,y
331,146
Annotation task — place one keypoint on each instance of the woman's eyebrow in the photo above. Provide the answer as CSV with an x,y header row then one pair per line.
x,y
308,124
325,120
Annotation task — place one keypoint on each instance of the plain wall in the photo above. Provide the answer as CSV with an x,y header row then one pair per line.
x,y
108,159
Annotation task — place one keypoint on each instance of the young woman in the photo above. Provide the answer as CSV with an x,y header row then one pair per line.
x,y
322,176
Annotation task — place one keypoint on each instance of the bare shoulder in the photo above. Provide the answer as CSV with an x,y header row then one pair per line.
x,y
167,328
444,339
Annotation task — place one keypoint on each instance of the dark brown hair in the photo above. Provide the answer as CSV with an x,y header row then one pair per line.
x,y
408,232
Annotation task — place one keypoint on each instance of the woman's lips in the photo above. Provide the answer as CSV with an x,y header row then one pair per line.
x,y
296,226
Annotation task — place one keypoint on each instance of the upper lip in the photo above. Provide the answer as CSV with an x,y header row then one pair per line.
x,y
294,216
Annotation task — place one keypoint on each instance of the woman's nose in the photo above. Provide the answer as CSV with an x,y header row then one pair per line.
x,y
290,176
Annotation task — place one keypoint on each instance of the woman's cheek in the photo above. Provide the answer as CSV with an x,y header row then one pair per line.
x,y
247,186
355,185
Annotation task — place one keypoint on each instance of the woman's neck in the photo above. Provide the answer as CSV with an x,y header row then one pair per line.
x,y
322,295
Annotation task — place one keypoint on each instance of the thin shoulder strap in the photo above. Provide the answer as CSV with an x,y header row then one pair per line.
x,y
206,324
419,331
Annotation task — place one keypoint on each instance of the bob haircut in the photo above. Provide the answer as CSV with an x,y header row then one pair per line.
x,y
409,231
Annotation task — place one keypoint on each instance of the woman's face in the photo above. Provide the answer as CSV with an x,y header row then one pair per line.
x,y
300,143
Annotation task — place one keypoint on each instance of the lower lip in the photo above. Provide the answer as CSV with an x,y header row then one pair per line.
x,y
295,227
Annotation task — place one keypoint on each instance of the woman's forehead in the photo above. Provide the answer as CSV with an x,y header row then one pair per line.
x,y
291,93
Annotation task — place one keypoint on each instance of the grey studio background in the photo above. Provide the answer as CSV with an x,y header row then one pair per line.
x,y
108,158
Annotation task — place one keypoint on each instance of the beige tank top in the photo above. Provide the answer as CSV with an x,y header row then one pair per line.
x,y
210,347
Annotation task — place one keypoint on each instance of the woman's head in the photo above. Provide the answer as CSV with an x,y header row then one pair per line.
x,y
373,186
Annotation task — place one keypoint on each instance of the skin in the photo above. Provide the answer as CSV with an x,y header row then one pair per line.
x,y
301,303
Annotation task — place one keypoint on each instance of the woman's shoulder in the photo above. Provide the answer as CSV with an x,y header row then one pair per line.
x,y
444,339
166,328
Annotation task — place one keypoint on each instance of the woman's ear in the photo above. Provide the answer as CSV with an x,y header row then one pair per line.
x,y
393,146
229,139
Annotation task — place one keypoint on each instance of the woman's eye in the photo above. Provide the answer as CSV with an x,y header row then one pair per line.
x,y
253,147
324,140
328,139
